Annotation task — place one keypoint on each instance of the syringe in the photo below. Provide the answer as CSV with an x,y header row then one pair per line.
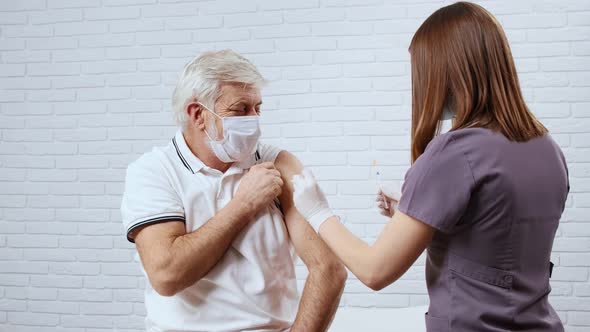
x,y
380,183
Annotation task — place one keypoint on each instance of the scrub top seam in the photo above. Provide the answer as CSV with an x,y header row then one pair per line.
x,y
464,153
428,167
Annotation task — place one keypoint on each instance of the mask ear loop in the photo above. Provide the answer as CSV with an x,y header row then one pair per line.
x,y
217,115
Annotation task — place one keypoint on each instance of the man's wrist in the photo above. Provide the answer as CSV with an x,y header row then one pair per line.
x,y
244,209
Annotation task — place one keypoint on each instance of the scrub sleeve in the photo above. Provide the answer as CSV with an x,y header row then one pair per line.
x,y
437,188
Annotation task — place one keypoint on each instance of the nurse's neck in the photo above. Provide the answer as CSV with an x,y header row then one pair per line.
x,y
197,142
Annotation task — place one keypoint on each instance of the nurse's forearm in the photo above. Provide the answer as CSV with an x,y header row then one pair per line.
x,y
357,255
400,243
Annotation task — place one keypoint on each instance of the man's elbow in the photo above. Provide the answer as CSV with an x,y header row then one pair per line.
x,y
163,287
335,272
340,274
164,283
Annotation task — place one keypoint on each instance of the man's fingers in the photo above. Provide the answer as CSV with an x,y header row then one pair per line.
x,y
279,181
268,164
275,172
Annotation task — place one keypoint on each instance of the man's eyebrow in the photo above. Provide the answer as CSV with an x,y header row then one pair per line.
x,y
239,101
242,101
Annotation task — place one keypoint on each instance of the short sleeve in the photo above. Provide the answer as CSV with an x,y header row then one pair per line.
x,y
437,188
267,152
148,197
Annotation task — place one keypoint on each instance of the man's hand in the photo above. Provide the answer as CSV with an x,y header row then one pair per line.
x,y
260,186
174,259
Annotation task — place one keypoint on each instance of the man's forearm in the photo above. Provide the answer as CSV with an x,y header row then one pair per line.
x,y
194,254
327,275
321,296
326,278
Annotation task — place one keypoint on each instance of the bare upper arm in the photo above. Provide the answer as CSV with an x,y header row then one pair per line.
x,y
308,245
401,242
288,165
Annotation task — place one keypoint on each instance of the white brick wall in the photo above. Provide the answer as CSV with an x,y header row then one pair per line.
x,y
85,87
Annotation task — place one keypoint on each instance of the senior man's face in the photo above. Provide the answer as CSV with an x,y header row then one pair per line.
x,y
236,100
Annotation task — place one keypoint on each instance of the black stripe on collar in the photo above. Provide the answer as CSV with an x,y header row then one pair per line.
x,y
184,162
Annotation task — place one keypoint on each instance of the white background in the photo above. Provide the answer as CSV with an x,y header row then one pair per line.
x,y
85,88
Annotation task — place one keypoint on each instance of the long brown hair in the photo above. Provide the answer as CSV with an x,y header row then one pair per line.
x,y
461,59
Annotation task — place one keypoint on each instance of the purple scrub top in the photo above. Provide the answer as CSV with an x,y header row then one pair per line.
x,y
495,205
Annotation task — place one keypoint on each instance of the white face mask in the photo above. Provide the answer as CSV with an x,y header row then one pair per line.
x,y
240,137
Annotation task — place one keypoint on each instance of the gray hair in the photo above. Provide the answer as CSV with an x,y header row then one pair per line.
x,y
203,76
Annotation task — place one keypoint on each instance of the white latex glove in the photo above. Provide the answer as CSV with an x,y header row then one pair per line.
x,y
387,199
309,199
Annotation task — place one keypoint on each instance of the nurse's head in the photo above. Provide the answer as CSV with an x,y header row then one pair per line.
x,y
461,60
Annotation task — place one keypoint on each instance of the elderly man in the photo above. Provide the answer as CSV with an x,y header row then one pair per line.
x,y
213,220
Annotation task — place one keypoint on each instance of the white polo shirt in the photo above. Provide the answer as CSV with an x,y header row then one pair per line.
x,y
253,286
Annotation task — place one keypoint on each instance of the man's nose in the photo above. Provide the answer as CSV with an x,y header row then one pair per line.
x,y
251,111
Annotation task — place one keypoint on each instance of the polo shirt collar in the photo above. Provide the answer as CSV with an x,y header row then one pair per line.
x,y
186,156
194,164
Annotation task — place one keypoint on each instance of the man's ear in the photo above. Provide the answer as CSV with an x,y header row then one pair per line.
x,y
194,112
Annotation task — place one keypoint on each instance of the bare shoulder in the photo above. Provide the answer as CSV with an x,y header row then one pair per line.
x,y
288,164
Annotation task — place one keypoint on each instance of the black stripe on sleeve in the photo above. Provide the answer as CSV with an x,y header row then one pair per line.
x,y
152,221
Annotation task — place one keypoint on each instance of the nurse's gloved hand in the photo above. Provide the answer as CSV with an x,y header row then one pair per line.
x,y
309,199
387,199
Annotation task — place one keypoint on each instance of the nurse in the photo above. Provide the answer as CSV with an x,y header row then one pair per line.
x,y
484,199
